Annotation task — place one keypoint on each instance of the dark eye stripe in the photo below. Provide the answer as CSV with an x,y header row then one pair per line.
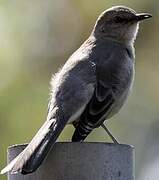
x,y
119,19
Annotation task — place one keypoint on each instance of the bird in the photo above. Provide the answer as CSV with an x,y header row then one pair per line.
x,y
90,88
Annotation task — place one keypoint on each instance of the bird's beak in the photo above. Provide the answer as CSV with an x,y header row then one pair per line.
x,y
143,16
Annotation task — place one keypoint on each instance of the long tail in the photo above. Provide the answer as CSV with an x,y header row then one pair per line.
x,y
34,154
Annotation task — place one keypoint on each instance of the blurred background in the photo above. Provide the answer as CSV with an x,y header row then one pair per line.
x,y
37,37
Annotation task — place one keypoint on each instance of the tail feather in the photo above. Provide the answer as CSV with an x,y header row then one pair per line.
x,y
33,155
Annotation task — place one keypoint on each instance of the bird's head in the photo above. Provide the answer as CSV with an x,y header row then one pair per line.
x,y
119,23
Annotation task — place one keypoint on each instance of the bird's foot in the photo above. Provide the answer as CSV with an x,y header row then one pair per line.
x,y
110,134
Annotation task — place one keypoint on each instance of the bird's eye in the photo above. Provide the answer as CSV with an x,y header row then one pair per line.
x,y
118,19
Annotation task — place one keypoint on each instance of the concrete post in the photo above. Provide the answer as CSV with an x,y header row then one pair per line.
x,y
81,161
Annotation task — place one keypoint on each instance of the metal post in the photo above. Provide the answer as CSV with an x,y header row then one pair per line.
x,y
81,161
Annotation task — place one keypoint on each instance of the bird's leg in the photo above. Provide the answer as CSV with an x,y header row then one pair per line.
x,y
110,134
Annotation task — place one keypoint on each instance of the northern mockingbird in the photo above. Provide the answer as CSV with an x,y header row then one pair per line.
x,y
91,87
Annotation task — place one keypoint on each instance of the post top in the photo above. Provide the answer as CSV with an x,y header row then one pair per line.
x,y
80,144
